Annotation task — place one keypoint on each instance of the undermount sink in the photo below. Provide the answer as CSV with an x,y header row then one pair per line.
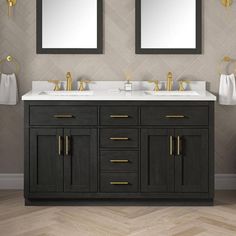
x,y
67,93
172,93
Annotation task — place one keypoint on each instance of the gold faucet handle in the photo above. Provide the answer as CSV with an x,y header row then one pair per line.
x,y
181,84
156,82
82,82
56,83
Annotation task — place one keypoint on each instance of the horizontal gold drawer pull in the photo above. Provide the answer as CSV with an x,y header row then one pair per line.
x,y
119,161
119,139
119,116
175,116
63,116
119,183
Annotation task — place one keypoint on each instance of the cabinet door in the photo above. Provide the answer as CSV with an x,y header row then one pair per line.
x,y
191,165
80,161
157,160
46,160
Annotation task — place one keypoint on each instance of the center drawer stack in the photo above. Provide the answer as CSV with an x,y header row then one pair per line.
x,y
119,149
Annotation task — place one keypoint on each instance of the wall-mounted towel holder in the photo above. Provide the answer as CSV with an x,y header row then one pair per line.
x,y
10,59
229,61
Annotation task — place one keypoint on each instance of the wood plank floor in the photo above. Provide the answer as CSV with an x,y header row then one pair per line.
x,y
16,219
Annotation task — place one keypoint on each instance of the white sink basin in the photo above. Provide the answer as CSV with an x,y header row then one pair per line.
x,y
172,93
67,93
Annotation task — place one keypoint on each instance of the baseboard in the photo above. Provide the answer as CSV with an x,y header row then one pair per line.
x,y
12,181
16,181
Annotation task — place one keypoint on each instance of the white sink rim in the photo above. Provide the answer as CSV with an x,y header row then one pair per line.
x,y
172,93
66,93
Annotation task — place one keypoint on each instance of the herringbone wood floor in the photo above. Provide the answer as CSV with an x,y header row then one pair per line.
x,y
16,219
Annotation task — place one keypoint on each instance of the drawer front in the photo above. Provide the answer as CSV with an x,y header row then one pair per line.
x,y
119,182
120,115
63,115
119,161
119,138
174,115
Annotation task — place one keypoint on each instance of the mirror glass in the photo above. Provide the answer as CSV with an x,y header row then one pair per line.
x,y
69,26
170,26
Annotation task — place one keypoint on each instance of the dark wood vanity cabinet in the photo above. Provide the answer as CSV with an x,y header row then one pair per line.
x,y
79,150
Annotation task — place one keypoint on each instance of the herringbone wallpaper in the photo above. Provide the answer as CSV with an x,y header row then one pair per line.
x,y
18,38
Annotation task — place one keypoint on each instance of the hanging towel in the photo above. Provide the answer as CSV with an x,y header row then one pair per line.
x,y
8,90
227,90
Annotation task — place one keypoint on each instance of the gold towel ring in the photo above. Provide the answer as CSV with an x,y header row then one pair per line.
x,y
228,60
10,59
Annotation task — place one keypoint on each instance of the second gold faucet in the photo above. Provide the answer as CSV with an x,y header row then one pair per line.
x,y
69,81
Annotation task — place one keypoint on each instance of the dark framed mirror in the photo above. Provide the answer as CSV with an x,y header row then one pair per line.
x,y
169,26
69,26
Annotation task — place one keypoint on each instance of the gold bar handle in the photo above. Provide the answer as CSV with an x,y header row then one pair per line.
x,y
119,116
59,145
119,139
63,116
119,161
178,145
67,145
175,116
119,183
171,145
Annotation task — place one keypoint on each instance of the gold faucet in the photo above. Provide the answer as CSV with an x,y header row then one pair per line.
x,y
82,84
181,84
69,81
156,82
169,84
56,83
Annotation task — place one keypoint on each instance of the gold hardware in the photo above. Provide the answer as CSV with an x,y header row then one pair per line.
x,y
10,59
56,83
178,145
156,83
11,4
82,84
181,84
67,145
119,139
59,145
69,81
119,183
175,116
119,161
119,116
169,84
226,3
63,116
226,59
171,145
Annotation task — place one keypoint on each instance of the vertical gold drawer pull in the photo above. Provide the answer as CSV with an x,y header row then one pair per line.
x,y
119,161
171,145
119,116
59,145
178,145
119,183
67,145
175,116
119,139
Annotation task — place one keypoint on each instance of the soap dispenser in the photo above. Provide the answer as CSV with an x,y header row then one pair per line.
x,y
128,84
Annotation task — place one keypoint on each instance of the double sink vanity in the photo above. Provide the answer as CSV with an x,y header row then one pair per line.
x,y
108,144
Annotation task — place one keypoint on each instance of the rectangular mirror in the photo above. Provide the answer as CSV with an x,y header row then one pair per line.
x,y
69,26
168,27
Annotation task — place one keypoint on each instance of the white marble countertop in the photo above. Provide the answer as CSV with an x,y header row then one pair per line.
x,y
118,96
112,91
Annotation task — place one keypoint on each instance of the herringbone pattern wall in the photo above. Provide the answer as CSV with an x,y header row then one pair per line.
x,y
18,38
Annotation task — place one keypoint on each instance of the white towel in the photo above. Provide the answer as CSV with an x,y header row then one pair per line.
x,y
8,90
227,90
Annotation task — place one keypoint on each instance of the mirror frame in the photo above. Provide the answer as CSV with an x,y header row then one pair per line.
x,y
197,50
98,50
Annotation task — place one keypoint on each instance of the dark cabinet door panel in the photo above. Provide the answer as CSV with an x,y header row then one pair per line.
x,y
46,163
80,161
157,161
191,165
